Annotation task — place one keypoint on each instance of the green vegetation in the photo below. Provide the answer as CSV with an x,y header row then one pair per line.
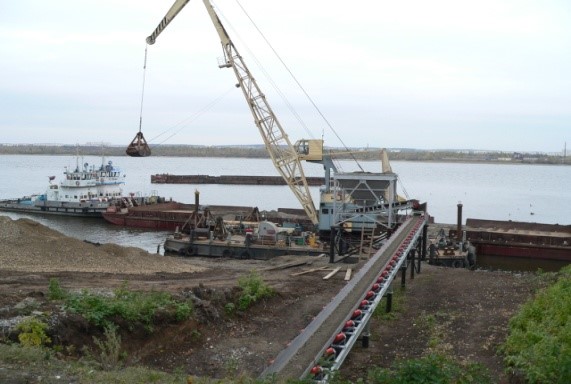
x,y
253,289
55,291
397,302
538,348
33,333
539,343
124,306
109,356
42,364
430,369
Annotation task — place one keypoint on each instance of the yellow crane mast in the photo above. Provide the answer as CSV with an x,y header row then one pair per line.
x,y
284,155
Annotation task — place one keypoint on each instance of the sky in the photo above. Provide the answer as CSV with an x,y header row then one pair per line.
x,y
441,74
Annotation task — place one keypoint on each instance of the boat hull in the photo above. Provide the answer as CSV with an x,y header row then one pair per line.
x,y
165,216
520,242
531,251
155,223
231,249
56,208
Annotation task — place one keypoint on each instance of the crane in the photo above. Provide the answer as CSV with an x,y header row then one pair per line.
x,y
285,156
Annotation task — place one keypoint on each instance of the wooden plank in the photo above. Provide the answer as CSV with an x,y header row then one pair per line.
x,y
308,271
348,274
332,273
287,265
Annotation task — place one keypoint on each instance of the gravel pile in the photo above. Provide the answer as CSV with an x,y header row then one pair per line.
x,y
26,245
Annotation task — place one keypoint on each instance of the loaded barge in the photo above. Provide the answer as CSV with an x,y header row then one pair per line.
x,y
170,216
264,241
174,216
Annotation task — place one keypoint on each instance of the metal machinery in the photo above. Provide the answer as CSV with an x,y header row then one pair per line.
x,y
282,152
350,202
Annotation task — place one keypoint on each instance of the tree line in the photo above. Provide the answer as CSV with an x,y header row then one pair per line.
x,y
259,151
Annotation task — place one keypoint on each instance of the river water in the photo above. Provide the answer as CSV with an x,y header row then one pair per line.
x,y
519,192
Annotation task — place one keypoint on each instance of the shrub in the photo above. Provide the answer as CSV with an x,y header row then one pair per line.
x,y
55,291
133,307
109,355
33,333
539,342
253,289
430,369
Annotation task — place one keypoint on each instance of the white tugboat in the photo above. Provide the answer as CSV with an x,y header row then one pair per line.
x,y
86,191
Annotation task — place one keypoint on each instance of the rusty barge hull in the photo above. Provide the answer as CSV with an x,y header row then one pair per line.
x,y
162,221
170,215
228,179
528,251
164,216
522,240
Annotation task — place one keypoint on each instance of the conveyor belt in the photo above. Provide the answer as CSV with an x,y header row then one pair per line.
x,y
302,353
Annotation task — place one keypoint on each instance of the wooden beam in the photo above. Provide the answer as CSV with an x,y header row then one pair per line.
x,y
348,274
309,271
330,274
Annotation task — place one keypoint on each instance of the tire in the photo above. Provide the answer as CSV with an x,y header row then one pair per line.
x,y
189,251
457,264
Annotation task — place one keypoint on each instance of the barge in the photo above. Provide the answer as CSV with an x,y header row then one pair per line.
x,y
520,239
263,242
170,215
165,178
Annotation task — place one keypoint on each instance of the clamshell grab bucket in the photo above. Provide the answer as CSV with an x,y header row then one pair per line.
x,y
138,147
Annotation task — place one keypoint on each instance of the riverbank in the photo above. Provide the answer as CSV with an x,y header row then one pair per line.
x,y
259,151
457,312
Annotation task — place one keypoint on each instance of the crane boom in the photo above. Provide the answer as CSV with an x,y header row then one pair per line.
x,y
283,154
173,11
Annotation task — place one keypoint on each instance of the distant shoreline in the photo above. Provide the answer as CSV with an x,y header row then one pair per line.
x,y
258,151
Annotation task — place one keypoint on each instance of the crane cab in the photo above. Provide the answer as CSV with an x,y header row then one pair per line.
x,y
309,150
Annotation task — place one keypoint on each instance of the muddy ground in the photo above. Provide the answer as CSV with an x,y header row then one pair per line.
x,y
458,312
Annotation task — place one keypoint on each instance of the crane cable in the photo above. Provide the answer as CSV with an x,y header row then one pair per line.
x,y
195,116
143,90
191,118
299,85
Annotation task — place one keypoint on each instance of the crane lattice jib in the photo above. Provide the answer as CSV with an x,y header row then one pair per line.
x,y
282,152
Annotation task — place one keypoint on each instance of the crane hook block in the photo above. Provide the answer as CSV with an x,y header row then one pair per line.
x,y
138,147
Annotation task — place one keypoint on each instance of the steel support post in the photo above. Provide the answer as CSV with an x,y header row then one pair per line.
x,y
366,335
389,301
424,242
412,258
333,235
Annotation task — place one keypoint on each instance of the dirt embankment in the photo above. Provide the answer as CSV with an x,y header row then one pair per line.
x,y
459,312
